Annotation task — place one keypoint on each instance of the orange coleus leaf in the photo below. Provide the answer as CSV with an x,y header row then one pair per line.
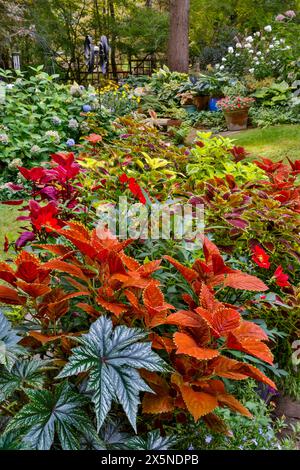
x,y
113,307
149,268
44,339
11,297
154,300
162,342
7,273
248,329
235,370
188,273
88,309
233,404
185,319
129,262
33,289
159,403
221,321
187,345
251,346
59,250
207,299
239,280
198,403
188,299
67,268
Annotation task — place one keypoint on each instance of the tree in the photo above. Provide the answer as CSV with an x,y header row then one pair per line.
x,y
178,50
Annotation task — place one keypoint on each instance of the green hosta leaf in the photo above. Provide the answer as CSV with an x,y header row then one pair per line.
x,y
23,374
111,357
154,441
9,348
49,413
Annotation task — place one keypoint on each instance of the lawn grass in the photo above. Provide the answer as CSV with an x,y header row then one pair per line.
x,y
275,142
9,226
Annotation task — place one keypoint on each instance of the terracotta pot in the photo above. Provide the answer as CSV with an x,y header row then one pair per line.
x,y
201,102
237,120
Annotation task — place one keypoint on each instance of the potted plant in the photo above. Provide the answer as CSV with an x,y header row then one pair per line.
x,y
236,109
214,87
199,91
187,101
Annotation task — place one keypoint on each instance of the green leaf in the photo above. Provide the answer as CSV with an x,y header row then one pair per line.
x,y
111,358
9,348
49,413
26,373
154,441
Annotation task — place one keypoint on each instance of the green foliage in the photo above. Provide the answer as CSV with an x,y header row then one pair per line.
x,y
24,374
153,442
9,347
275,94
112,358
270,116
211,158
47,414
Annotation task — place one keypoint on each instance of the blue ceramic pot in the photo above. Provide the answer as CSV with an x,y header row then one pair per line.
x,y
190,108
212,104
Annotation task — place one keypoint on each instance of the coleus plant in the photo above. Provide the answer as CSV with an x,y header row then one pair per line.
x,y
194,343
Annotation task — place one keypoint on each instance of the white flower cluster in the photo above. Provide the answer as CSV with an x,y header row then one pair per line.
x,y
15,163
4,138
250,46
73,124
76,90
35,149
53,135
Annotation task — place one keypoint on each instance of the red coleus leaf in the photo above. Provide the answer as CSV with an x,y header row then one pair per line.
x,y
44,216
93,138
260,257
34,174
11,297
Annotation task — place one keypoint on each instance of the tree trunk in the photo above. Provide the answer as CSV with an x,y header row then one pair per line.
x,y
113,39
178,51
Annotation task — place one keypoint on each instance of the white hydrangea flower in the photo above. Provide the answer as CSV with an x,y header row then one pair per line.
x,y
268,28
53,135
249,39
56,120
73,124
230,50
35,149
76,90
4,138
15,163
